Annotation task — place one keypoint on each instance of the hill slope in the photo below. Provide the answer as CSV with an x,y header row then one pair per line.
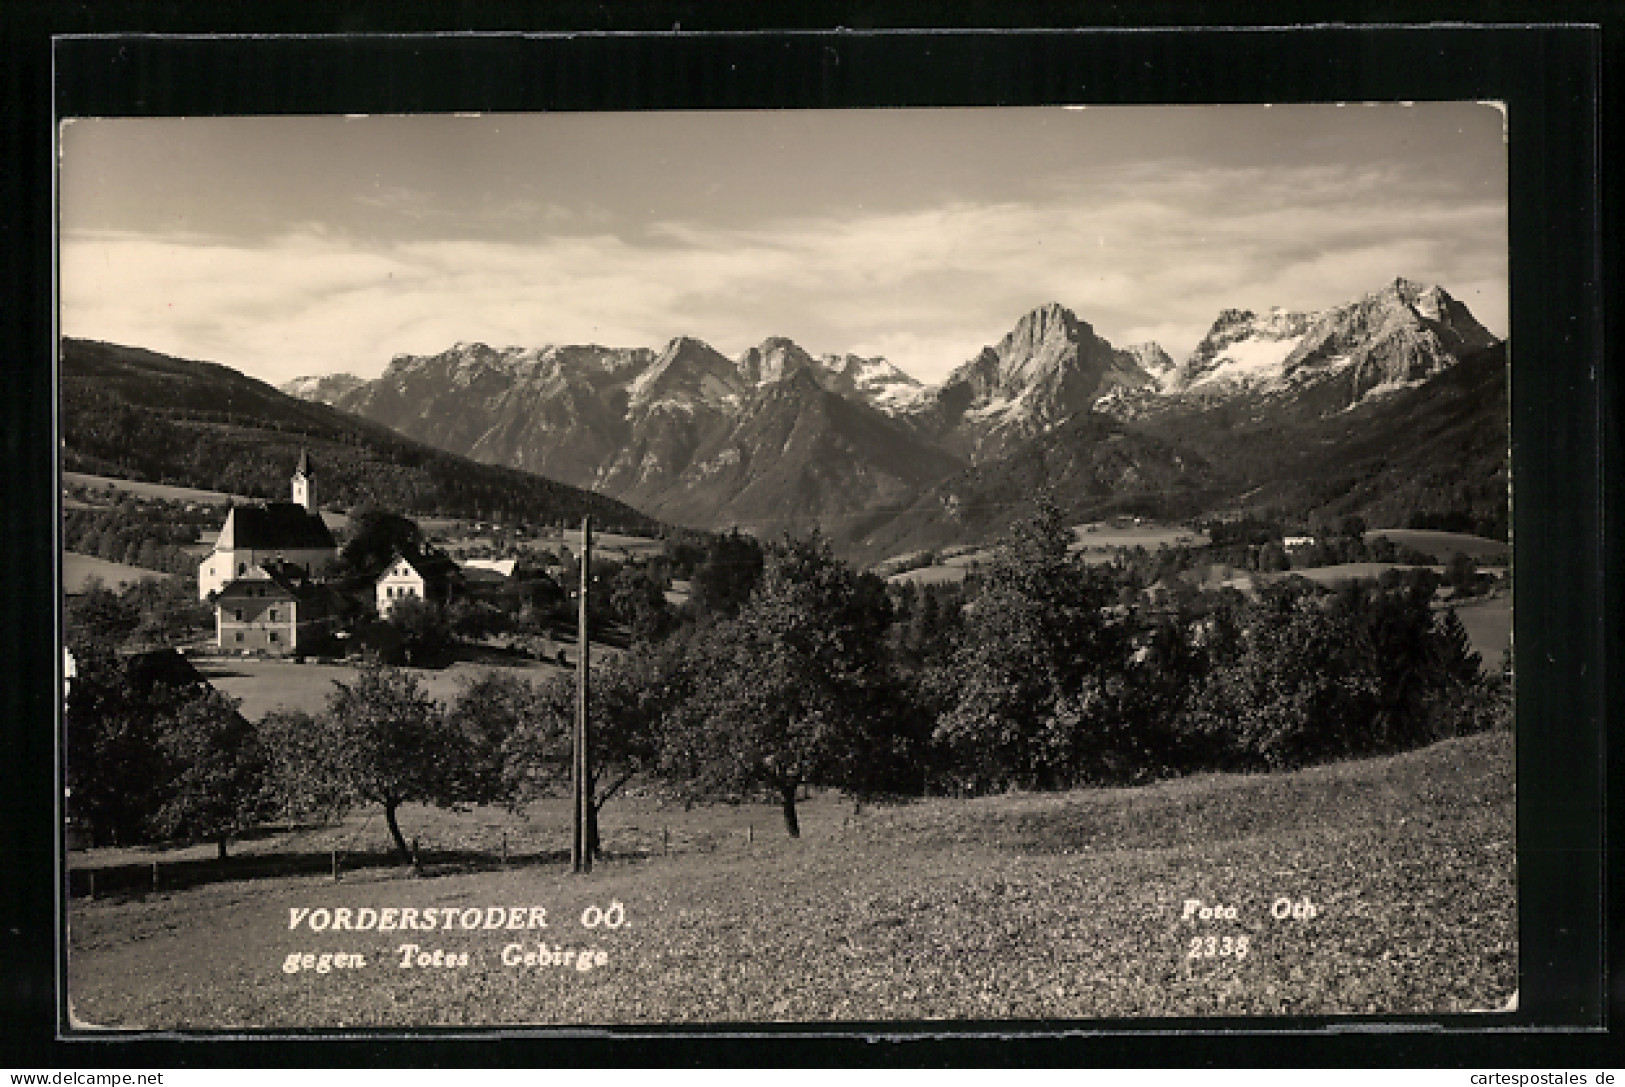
x,y
134,413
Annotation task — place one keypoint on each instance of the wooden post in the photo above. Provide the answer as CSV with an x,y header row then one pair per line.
x,y
581,846
750,833
417,867
335,866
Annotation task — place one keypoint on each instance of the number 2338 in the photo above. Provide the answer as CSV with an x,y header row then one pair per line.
x,y
1217,947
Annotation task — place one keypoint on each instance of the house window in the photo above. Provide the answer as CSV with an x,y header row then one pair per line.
x,y
239,635
273,616
242,568
237,614
273,637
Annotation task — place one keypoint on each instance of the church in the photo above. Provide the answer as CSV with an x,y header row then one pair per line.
x,y
291,535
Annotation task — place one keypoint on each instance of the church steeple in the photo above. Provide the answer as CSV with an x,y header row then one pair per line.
x,y
304,483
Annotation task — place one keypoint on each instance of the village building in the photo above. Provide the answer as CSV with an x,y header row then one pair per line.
x,y
277,532
274,609
427,576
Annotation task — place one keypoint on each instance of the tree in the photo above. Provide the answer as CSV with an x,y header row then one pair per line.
x,y
114,767
630,698
98,619
787,692
375,536
300,778
1039,671
169,609
640,602
1461,574
217,784
425,633
492,713
387,743
731,571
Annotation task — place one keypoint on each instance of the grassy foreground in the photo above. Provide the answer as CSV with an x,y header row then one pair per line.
x,y
1026,907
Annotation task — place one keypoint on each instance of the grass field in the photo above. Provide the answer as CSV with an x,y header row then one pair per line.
x,y
264,684
1104,534
1442,545
78,571
1489,625
151,490
1028,907
931,575
1351,571
335,521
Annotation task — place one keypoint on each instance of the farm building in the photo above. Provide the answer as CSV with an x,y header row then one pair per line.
x,y
274,609
279,532
424,576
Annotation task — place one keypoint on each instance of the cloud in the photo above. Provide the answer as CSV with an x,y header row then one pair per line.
x,y
1151,252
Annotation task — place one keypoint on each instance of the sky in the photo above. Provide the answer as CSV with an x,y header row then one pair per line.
x,y
291,246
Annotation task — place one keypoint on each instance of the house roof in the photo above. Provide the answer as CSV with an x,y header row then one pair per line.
x,y
287,578
273,526
432,566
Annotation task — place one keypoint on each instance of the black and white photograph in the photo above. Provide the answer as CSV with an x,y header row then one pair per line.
x,y
822,566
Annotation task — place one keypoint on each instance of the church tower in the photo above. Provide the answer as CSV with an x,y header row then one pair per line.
x,y
304,483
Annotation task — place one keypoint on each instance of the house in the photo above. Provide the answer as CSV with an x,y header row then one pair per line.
x,y
275,609
423,575
280,532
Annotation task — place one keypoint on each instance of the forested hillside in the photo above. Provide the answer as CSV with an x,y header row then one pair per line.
x,y
140,415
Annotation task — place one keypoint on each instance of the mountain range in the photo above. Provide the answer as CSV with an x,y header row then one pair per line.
x,y
779,439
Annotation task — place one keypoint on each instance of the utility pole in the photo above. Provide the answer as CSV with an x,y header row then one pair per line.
x,y
581,845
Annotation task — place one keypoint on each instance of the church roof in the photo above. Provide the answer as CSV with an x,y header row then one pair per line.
x,y
304,468
274,526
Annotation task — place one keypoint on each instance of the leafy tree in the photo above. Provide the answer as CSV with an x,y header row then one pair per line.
x,y
639,601
98,619
731,571
216,786
300,777
629,699
425,634
1461,574
170,610
387,743
789,692
492,713
1362,670
113,764
1039,669
375,535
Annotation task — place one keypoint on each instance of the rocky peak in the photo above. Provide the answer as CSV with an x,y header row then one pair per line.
x,y
772,360
1142,364
688,372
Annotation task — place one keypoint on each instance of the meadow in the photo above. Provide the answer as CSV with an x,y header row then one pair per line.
x,y
1376,887
264,684
78,571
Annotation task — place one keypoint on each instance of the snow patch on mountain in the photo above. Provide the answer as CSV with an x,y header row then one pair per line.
x,y
1247,362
